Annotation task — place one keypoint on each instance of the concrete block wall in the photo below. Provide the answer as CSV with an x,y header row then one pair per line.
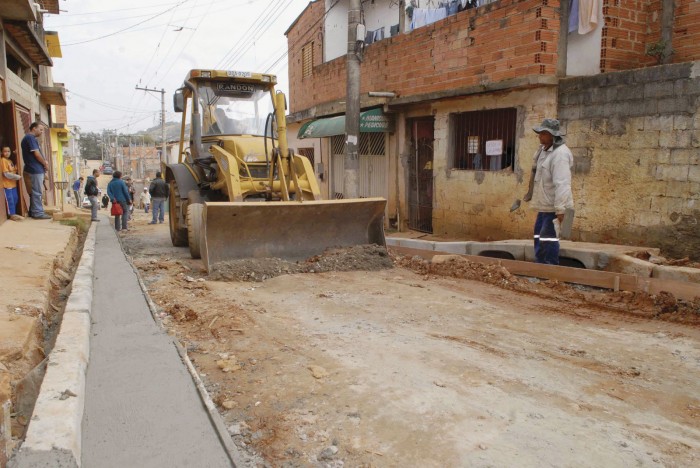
x,y
499,41
635,136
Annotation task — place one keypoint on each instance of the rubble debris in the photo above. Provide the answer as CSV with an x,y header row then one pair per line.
x,y
359,257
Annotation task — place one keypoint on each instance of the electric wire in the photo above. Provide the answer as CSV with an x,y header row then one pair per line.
x,y
247,34
127,28
258,31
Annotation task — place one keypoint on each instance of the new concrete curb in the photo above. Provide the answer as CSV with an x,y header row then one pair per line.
x,y
54,435
214,416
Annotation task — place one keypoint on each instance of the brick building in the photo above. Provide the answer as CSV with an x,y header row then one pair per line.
x,y
458,98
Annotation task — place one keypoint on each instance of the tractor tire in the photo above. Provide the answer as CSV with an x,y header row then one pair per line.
x,y
178,232
195,221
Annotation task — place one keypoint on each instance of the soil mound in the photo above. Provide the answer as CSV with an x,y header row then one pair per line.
x,y
360,257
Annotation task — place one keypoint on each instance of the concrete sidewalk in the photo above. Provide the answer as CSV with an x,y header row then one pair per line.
x,y
141,406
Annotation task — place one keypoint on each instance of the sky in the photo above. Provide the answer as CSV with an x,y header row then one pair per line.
x,y
111,47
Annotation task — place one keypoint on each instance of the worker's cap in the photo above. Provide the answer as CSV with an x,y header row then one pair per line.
x,y
550,126
145,189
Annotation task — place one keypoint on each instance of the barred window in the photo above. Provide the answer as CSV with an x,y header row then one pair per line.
x,y
307,59
484,140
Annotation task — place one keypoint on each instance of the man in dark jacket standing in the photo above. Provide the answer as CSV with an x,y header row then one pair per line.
x,y
159,193
35,166
92,192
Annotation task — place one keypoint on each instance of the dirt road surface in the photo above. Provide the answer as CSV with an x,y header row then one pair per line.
x,y
396,368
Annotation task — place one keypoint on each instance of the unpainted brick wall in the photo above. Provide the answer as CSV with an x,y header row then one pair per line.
x,y
499,41
635,136
632,25
308,27
686,31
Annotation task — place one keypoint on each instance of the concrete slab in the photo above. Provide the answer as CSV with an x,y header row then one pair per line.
x,y
605,257
142,407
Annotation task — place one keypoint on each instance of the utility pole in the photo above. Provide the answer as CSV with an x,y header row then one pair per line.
x,y
162,118
352,102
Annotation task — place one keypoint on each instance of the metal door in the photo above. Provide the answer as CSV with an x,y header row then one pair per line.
x,y
373,175
420,175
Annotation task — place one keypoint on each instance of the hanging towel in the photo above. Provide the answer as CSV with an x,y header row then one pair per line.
x,y
588,15
435,15
452,7
573,16
425,16
418,18
379,34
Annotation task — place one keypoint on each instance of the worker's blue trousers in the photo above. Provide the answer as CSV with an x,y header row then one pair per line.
x,y
546,240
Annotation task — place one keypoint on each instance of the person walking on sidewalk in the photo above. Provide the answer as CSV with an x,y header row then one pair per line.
x,y
552,190
76,191
119,193
159,193
9,183
92,193
35,166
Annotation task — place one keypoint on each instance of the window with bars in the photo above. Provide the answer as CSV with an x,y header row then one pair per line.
x,y
307,59
484,140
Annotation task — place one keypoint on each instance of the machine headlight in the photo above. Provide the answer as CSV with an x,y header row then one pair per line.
x,y
206,74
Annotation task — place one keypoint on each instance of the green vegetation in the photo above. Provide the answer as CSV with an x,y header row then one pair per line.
x,y
82,224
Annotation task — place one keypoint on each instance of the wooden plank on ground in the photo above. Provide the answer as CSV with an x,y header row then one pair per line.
x,y
595,278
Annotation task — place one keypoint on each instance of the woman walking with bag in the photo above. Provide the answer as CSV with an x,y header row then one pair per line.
x,y
118,193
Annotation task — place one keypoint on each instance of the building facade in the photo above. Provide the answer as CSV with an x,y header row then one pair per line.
x,y
463,85
27,90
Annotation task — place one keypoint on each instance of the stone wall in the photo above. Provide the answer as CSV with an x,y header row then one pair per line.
x,y
635,136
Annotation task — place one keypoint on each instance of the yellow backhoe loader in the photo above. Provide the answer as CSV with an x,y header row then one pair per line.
x,y
238,191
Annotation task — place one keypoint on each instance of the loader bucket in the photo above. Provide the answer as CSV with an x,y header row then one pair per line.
x,y
288,230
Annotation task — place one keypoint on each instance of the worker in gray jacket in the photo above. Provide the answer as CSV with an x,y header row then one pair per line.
x,y
552,190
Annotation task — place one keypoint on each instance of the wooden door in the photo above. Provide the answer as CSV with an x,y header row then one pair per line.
x,y
10,131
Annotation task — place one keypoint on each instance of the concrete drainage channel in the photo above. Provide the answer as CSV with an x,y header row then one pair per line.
x,y
54,434
601,257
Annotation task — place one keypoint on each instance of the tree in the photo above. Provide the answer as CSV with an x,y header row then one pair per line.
x,y
90,145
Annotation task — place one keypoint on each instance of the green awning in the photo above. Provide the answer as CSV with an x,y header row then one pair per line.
x,y
371,121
